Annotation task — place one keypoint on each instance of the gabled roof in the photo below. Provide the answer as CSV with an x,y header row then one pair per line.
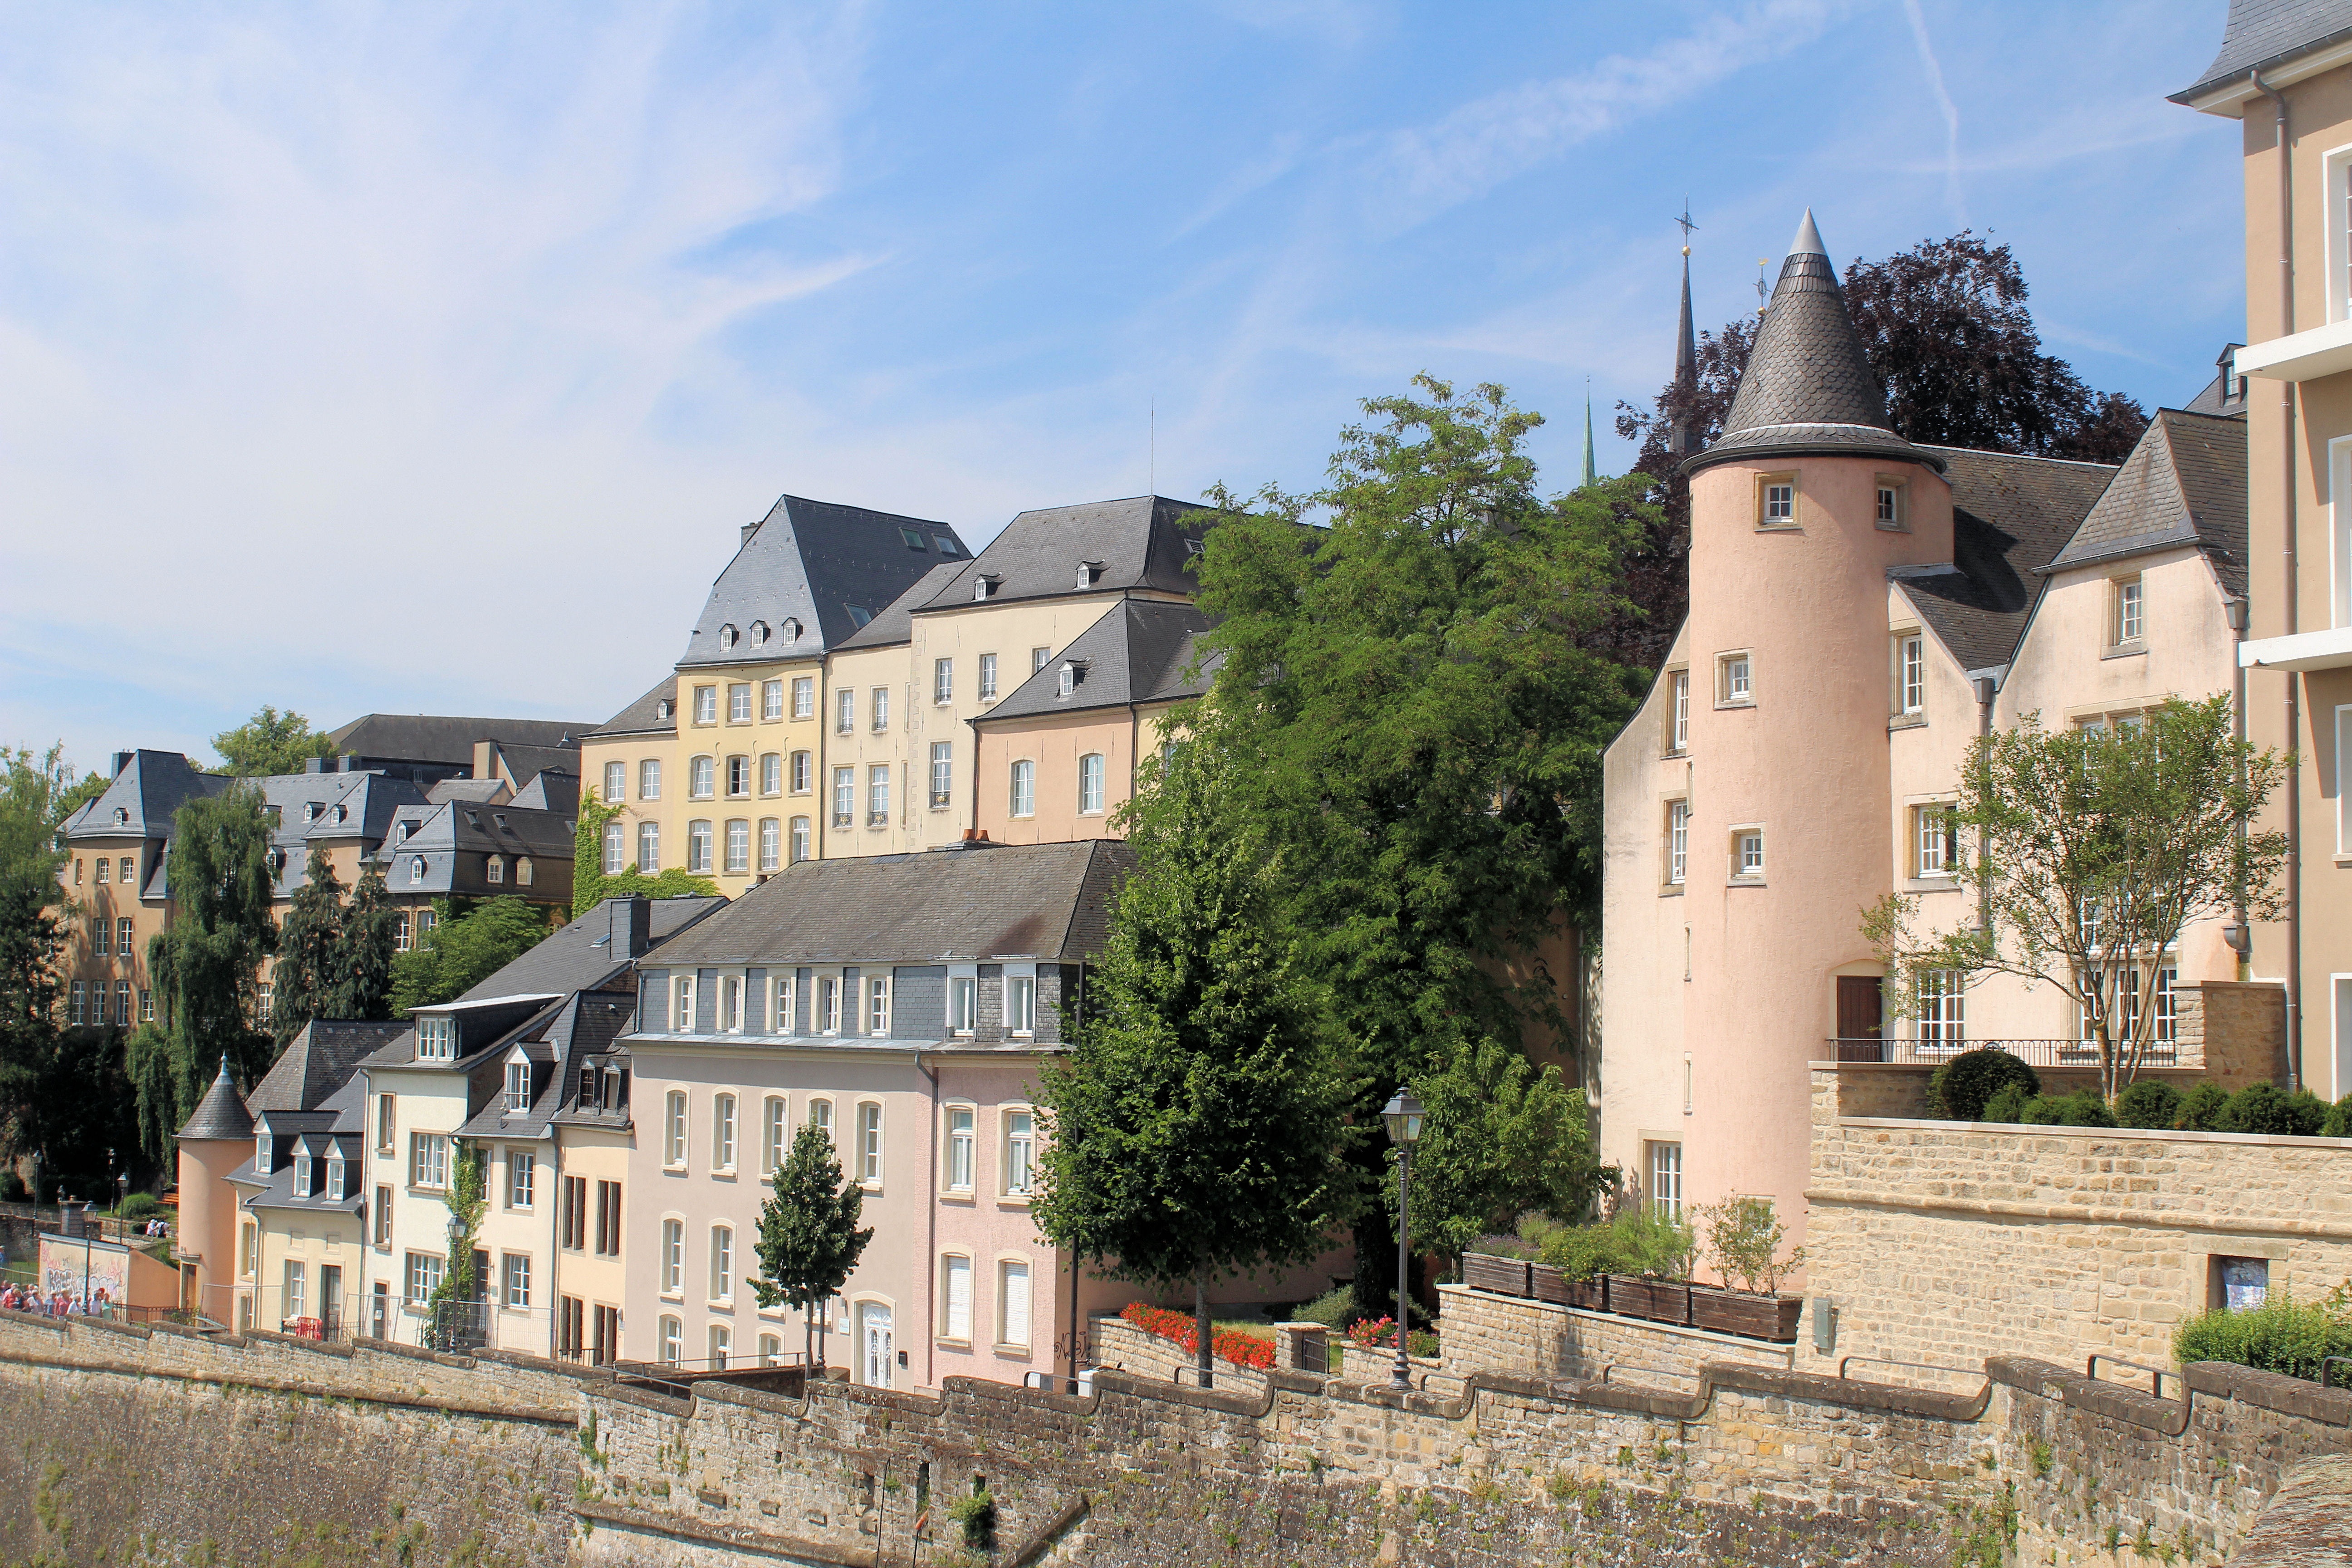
x,y
1138,542
1049,902
588,1023
2262,35
320,1061
2011,516
428,737
221,1113
140,800
828,568
1137,653
644,716
440,834
2184,483
476,792
592,950
550,789
1808,386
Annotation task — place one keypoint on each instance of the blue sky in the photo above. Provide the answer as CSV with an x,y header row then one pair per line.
x,y
420,358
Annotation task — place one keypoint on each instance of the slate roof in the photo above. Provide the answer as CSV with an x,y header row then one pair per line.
x,y
442,834
318,1062
642,717
1138,542
138,803
221,1113
341,1124
1808,386
2261,34
583,955
896,624
1049,902
1137,653
428,737
2184,483
550,789
2010,517
830,568
511,1018
476,792
586,1026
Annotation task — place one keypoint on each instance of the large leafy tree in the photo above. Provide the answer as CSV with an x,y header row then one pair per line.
x,y
464,949
810,1239
270,742
1194,1129
207,962
1412,715
334,958
1947,330
2091,849
1502,1138
591,884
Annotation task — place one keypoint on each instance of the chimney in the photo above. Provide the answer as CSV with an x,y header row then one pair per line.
x,y
121,760
641,924
314,764
344,763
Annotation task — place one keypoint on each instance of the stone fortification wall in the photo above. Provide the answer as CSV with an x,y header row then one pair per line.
x,y
1949,1242
1487,1333
166,1447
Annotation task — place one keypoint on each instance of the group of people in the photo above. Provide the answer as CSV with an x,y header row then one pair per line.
x,y
57,1303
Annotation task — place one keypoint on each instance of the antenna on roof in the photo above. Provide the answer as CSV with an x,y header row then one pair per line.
x,y
1151,447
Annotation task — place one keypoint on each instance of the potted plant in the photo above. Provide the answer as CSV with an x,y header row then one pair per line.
x,y
1576,1265
1497,1263
1743,1243
1654,1278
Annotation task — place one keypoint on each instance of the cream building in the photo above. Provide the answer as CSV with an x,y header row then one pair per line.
x,y
2284,70
1861,609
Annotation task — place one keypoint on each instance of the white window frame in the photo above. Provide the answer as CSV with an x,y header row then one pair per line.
x,y
771,700
428,1161
1092,786
803,696
845,711
772,844
771,772
1773,507
1735,679
955,1308
739,847
878,794
702,778
437,1037
1678,842
870,1127
616,848
673,1256
1747,852
987,677
963,1147
942,775
674,1130
671,1342
1007,1270
1887,509
879,709
964,1000
2128,618
785,1018
515,1270
423,1276
705,705
722,1131
877,1004
515,1094
522,1179
1021,1000
844,796
1017,1147
1911,674
616,782
1665,1165
944,681
649,847
722,1282
803,839
699,846
775,1133
649,772
1022,796
1942,1006
802,777
1931,841
1678,712
681,1017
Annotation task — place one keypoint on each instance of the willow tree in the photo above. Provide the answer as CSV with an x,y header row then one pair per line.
x,y
1194,1129
2090,849
207,962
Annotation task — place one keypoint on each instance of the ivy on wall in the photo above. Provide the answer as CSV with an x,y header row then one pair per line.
x,y
590,885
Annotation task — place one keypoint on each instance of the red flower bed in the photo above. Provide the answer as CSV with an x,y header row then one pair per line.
x,y
1241,1350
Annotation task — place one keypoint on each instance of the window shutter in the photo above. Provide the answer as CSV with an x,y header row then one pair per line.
x,y
959,1298
1016,1304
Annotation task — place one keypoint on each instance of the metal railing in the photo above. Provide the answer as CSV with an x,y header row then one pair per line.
x,y
2033,1053
2156,1374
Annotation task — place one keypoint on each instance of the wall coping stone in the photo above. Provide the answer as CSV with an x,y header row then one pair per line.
x,y
2119,1134
2082,1214
1614,1320
412,1353
296,1341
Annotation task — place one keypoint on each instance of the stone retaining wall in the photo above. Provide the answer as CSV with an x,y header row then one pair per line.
x,y
1483,1331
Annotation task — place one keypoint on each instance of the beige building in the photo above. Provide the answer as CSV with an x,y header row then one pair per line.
x,y
1861,609
2285,71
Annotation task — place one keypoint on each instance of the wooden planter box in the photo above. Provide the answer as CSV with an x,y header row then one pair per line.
x,y
1591,1294
1772,1318
1487,1271
1638,1296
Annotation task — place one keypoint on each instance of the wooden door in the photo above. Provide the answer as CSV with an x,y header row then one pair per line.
x,y
1858,1018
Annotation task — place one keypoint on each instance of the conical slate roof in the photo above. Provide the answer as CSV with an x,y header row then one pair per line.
x,y
221,1113
1808,386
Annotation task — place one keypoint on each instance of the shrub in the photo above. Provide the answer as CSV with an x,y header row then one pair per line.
x,y
2339,1119
977,1514
2281,1335
2261,1108
1743,1240
1635,1242
1333,1308
2150,1102
2201,1108
12,1188
2009,1105
140,1205
1241,1350
1961,1086
2083,1108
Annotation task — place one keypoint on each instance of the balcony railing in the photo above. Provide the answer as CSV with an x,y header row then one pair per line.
x,y
2033,1053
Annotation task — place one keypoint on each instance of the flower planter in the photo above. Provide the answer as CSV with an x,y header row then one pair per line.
x,y
1488,1271
1772,1318
1591,1294
1547,1284
1638,1296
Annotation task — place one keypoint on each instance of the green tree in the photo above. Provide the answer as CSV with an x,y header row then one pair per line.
x,y
205,963
1412,716
2091,849
53,1096
809,1235
590,885
38,793
334,958
467,1197
463,950
1502,1138
1194,1127
270,742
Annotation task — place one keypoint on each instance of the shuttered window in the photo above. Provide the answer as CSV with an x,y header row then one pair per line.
x,y
957,1305
1013,1309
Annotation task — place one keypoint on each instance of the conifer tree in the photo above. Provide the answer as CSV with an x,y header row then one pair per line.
x,y
809,1236
1194,1128
309,951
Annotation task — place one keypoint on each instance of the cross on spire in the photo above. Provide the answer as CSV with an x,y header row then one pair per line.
x,y
1686,221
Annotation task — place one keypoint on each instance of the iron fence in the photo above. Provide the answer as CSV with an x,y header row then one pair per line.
x,y
2033,1053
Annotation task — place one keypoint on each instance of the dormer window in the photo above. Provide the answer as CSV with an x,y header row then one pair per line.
x,y
436,1039
518,1096
417,868
1088,573
499,817
121,816
342,814
588,1089
1074,672
728,635
663,707
758,634
496,870
302,1175
401,831
311,809
984,585
265,1154
792,631
338,1179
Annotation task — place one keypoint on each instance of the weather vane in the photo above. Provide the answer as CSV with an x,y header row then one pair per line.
x,y
1688,225
1761,263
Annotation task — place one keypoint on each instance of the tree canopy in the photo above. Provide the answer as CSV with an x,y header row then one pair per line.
x,y
270,742
205,963
810,1239
1946,329
465,948
2091,847
334,958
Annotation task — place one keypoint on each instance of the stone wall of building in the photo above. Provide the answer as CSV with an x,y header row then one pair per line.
x,y
1949,1243
1483,1331
2237,1030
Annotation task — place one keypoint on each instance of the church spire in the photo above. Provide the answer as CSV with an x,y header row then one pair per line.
x,y
1591,473
1678,436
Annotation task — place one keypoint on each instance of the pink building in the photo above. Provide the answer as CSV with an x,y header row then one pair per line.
x,y
1861,608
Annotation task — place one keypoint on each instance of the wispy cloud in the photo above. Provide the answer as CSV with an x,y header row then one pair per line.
x,y
1918,20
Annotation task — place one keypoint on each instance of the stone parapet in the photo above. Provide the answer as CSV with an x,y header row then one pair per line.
x,y
1482,1332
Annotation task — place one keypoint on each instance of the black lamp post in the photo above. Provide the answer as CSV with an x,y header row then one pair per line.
x,y
442,1334
1403,1116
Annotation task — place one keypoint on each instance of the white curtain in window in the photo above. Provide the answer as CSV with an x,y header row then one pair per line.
x,y
1016,1304
959,1298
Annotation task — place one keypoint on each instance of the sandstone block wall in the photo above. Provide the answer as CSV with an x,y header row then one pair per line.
x,y
1950,1243
1486,1332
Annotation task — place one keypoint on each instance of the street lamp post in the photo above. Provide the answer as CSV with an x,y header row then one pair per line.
x,y
442,1333
1403,1116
